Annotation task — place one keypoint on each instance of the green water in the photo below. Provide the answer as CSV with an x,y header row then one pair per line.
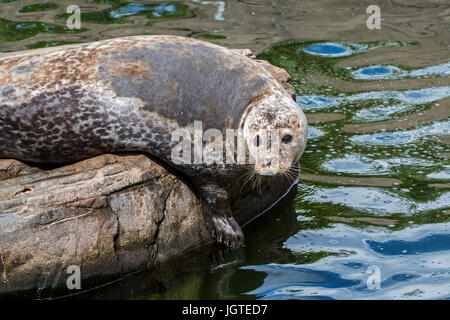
x,y
337,144
44,6
213,37
19,30
120,11
48,43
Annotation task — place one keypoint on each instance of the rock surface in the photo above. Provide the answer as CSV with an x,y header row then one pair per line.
x,y
110,215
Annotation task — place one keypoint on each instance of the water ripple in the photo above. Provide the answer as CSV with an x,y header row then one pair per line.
x,y
413,263
410,97
378,72
374,200
403,137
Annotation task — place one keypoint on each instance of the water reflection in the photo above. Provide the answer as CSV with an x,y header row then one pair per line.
x,y
373,200
287,281
441,175
376,72
139,8
365,165
342,49
314,132
410,97
403,137
220,8
392,72
19,30
413,263
328,50
120,11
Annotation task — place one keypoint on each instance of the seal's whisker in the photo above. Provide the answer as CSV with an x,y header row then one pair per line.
x,y
259,185
291,175
286,176
249,178
254,183
306,169
295,171
293,179
290,180
292,171
245,173
296,175
245,167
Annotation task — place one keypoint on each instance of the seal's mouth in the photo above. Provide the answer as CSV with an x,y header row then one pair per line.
x,y
267,172
268,167
293,171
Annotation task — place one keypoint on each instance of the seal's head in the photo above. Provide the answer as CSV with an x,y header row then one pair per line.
x,y
275,130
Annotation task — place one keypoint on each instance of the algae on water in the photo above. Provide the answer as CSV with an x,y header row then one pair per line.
x,y
120,11
19,30
43,6
48,43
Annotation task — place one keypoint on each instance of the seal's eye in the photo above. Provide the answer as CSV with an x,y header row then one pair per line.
x,y
286,139
257,141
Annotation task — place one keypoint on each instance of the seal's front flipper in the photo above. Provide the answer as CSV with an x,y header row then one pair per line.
x,y
218,217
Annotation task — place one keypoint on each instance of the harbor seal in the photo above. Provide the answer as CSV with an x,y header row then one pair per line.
x,y
129,94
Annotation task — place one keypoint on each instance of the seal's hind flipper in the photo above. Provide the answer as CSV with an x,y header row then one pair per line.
x,y
218,217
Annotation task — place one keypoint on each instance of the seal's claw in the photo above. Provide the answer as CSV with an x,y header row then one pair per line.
x,y
218,217
226,230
